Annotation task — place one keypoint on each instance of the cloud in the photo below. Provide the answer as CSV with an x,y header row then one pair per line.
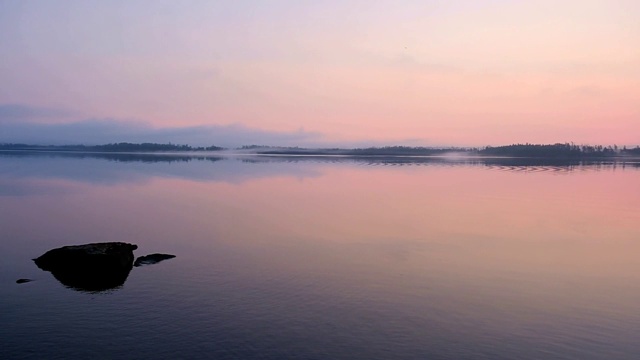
x,y
103,131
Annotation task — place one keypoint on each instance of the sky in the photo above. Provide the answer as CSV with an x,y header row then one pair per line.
x,y
320,73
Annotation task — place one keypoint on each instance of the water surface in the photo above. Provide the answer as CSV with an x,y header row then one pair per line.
x,y
325,258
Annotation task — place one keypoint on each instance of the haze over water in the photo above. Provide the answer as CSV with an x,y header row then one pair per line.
x,y
325,258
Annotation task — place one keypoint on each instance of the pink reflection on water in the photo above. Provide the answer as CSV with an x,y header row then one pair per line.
x,y
472,239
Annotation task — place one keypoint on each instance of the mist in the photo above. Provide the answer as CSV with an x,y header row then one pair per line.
x,y
104,131
51,126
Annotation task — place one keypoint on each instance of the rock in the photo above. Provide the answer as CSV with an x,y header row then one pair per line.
x,y
89,267
22,281
152,259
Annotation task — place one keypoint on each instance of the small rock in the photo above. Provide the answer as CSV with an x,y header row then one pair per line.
x,y
22,281
111,254
152,259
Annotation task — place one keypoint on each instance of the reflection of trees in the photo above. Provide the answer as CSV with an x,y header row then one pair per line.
x,y
495,163
503,163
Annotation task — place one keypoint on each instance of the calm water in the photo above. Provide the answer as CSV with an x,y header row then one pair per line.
x,y
316,258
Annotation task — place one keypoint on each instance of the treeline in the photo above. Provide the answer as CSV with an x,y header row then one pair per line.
x,y
370,151
151,147
516,150
116,147
557,150
634,151
402,150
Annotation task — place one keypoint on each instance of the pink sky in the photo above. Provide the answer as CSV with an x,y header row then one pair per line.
x,y
425,72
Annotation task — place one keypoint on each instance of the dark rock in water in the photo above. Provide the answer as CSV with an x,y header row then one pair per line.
x,y
89,267
22,281
152,259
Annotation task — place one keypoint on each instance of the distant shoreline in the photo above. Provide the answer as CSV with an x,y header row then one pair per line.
x,y
532,151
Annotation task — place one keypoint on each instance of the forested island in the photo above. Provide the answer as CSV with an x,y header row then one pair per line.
x,y
561,151
555,151
558,151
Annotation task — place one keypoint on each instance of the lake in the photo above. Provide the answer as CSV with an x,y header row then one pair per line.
x,y
325,258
